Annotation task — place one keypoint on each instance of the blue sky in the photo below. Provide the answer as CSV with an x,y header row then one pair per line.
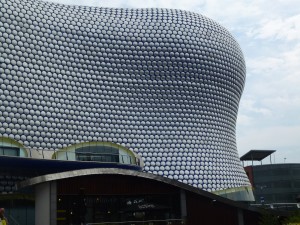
x,y
269,35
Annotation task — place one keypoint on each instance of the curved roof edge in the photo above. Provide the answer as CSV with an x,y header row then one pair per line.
x,y
116,171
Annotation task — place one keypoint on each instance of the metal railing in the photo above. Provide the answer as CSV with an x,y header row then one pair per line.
x,y
104,157
81,156
12,220
144,222
278,206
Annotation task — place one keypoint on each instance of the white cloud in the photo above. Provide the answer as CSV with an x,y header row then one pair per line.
x,y
250,106
244,120
281,28
265,66
275,79
172,4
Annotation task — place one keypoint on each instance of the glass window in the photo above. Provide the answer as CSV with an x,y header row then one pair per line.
x,y
9,151
97,153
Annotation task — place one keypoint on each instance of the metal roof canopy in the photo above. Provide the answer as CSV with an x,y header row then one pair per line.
x,y
256,155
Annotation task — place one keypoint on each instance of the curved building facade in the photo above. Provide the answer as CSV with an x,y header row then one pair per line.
x,y
164,83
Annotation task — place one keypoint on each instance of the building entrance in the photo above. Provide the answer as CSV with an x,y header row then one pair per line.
x,y
115,209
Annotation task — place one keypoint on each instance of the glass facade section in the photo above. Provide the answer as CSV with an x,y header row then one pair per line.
x,y
9,151
111,209
97,153
276,183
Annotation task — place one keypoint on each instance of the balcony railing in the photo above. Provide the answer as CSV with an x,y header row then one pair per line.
x,y
144,222
80,156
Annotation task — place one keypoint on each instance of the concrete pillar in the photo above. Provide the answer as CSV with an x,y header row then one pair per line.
x,y
45,203
53,203
183,205
240,217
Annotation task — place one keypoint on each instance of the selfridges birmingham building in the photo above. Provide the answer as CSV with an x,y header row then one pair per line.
x,y
164,83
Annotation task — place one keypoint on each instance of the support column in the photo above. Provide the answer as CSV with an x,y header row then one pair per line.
x,y
240,217
45,203
183,205
53,203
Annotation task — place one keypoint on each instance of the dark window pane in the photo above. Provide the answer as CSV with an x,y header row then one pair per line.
x,y
10,151
97,153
